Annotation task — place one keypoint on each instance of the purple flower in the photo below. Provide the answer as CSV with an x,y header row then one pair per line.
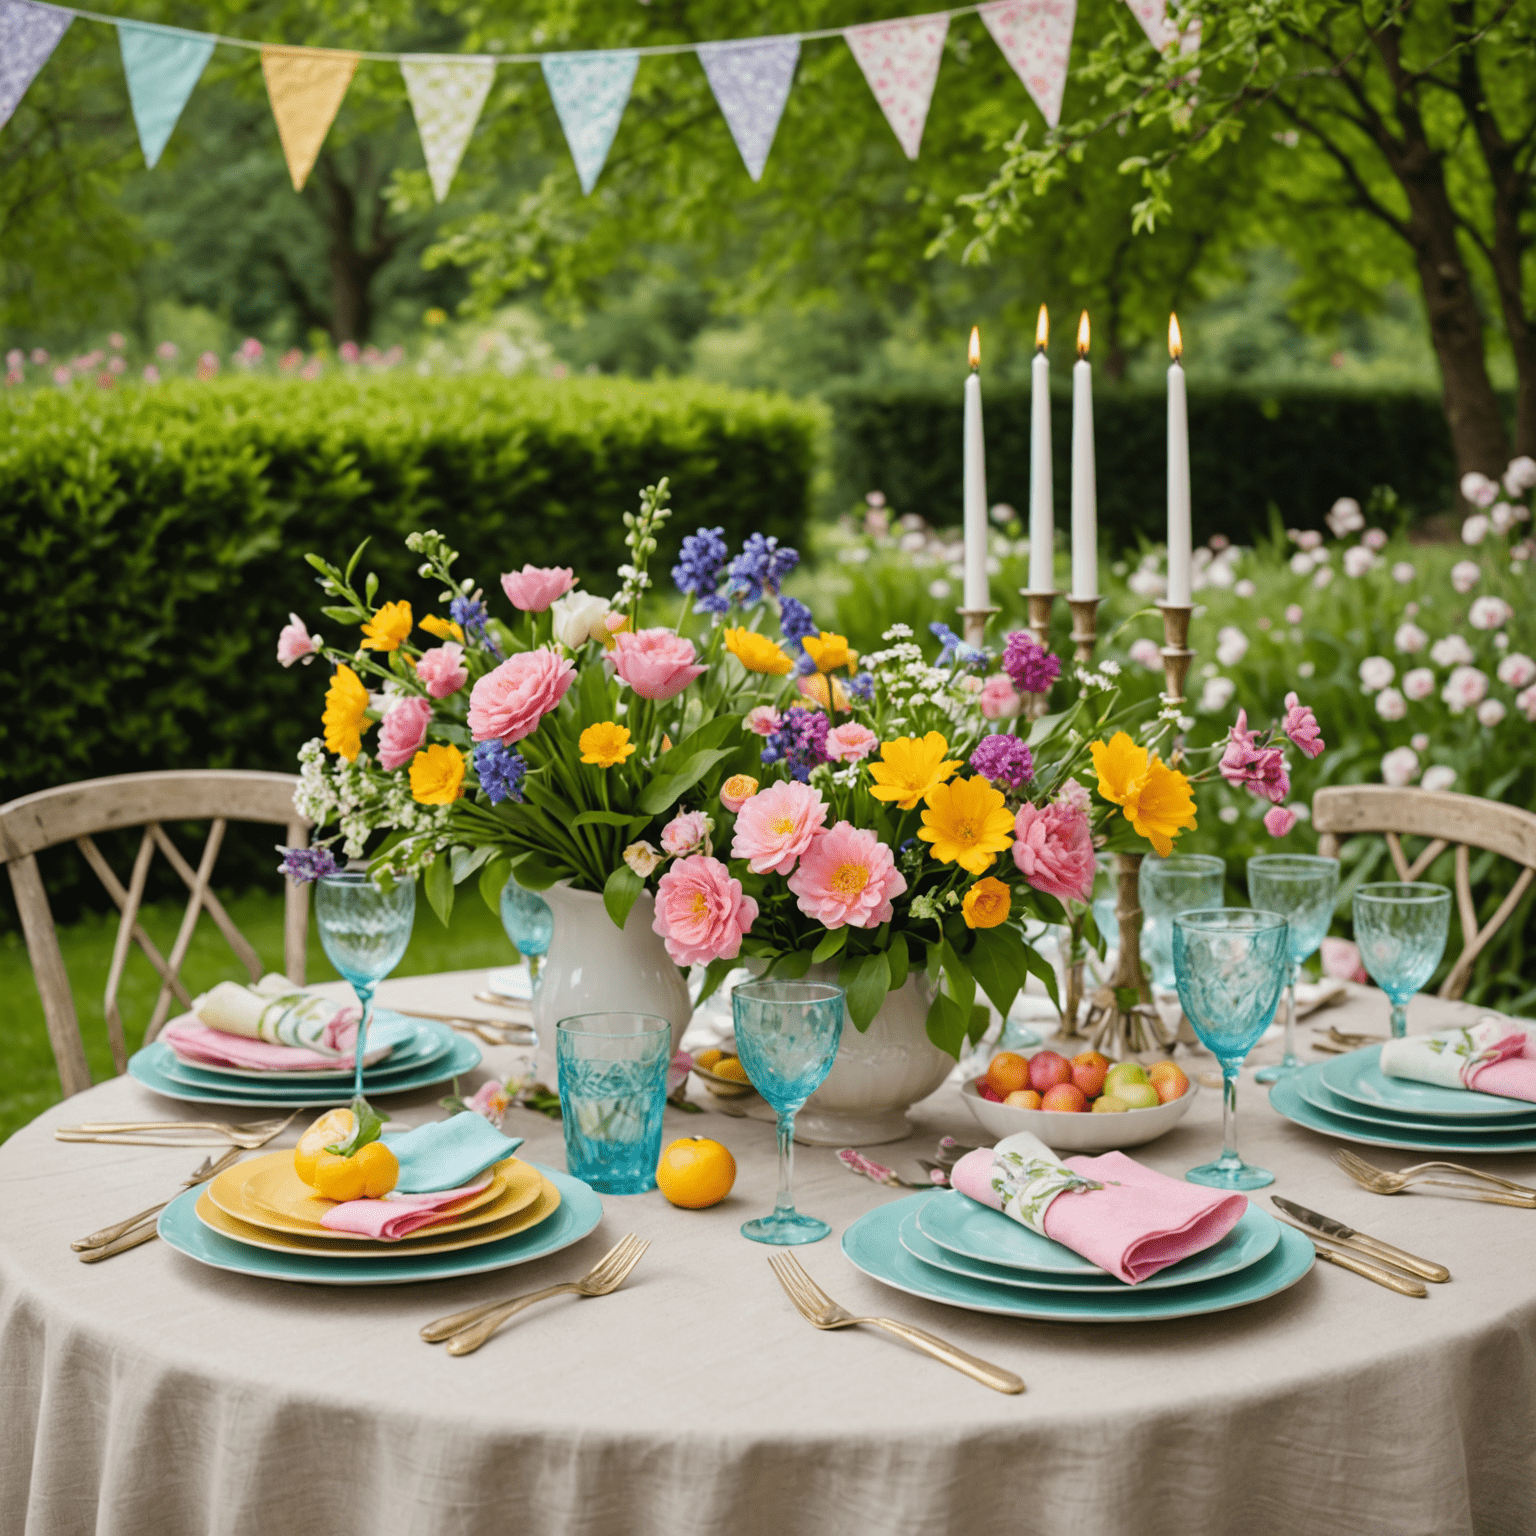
x,y
470,614
861,686
1003,759
800,742
955,649
760,567
301,865
1032,667
795,622
698,567
500,769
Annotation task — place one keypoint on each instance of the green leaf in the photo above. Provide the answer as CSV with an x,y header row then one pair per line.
x,y
370,588
660,794
790,967
534,874
367,1123
357,554
830,945
493,880
998,962
439,887
620,893
866,979
610,819
343,615
1041,967
962,985
947,1024
715,973
898,960
981,1021
467,860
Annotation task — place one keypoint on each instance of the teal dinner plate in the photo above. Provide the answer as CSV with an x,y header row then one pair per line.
x,y
1320,1096
1357,1076
873,1244
409,1040
1286,1097
1253,1238
579,1211
964,1226
433,1050
151,1066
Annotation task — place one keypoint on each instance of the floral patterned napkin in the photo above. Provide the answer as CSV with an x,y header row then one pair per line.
x,y
1492,1056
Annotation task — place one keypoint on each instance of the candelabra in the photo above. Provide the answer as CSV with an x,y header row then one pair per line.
x,y
974,624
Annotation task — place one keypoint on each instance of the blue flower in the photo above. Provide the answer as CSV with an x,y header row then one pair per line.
x,y
500,770
760,567
470,614
795,622
955,649
302,865
699,565
862,686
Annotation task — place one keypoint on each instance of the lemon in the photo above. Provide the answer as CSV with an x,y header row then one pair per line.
x,y
707,1059
695,1172
731,1070
370,1173
333,1128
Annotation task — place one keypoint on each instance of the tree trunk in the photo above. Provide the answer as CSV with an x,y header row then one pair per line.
x,y
354,262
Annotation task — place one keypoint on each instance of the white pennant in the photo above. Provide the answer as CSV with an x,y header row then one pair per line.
x,y
446,96
751,82
1153,16
900,60
1036,39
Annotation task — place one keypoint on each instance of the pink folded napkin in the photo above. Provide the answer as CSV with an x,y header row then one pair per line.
x,y
1492,1056
1125,1218
397,1216
1511,1076
199,1046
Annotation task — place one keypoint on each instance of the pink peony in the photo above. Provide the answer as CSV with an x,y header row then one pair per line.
x,y
1262,770
1489,613
847,877
1054,849
1278,820
403,732
776,826
1000,700
535,587
654,662
509,702
1341,960
1464,689
1517,670
700,911
686,832
295,643
851,743
763,721
1300,724
441,670
1418,684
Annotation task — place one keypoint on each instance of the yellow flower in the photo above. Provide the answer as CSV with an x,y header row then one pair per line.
x,y
346,704
757,653
606,744
388,627
444,629
1155,798
968,823
909,768
830,652
986,904
437,776
825,693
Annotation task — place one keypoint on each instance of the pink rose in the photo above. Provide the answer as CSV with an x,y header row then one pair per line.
x,y
654,662
1000,700
851,743
403,732
777,825
685,833
1341,960
1054,849
1262,770
295,643
701,913
1278,820
441,670
763,721
1301,726
535,587
847,877
509,702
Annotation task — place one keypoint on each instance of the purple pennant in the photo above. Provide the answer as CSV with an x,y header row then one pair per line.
x,y
28,35
751,82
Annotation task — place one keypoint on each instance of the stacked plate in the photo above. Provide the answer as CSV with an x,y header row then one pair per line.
x,y
260,1218
421,1053
947,1248
1352,1098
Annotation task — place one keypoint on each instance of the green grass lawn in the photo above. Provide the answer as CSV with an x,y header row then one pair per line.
x,y
28,1081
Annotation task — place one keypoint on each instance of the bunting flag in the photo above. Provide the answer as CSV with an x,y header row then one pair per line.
x,y
590,92
162,66
1035,36
900,60
751,83
446,96
305,86
1153,16
28,35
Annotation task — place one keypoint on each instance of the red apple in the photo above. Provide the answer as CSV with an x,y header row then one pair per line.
x,y
1047,1069
1088,1071
1067,1097
1008,1072
1024,1098
987,1091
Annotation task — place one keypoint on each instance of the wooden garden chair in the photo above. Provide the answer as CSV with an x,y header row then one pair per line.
x,y
76,812
1447,820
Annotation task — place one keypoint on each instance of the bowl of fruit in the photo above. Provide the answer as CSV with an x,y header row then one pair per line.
x,y
722,1074
1084,1103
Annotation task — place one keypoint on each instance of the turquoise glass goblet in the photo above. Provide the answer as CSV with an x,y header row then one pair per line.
x,y
364,931
787,1034
1230,964
613,1090
1166,887
529,923
1301,887
1400,929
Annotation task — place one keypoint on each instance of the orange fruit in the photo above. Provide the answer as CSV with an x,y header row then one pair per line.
x,y
371,1172
731,1070
331,1129
695,1172
1008,1073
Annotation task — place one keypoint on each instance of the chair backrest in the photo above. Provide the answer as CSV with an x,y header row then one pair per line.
x,y
75,812
1448,820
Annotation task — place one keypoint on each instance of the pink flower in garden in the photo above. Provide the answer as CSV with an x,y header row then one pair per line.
x,y
1479,489
1244,762
62,375
850,743
1345,517
117,341
1517,670
847,877
1374,539
687,831
1403,573
508,704
1399,767
1465,575
1464,689
1320,579
1418,684
776,826
1294,614
1053,848
295,643
1525,702
1000,700
1439,777
1146,653
535,587
1278,820
1491,712
1376,672
1419,742
1300,724
1358,561
1503,517
1452,651
1075,795
654,662
1341,960
701,913
1475,529
1490,613
1390,704
441,670
403,732
1409,639
492,1101
763,721
349,352
151,374
1309,539
1520,476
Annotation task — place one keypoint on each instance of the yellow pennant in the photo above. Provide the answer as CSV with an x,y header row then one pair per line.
x,y
305,86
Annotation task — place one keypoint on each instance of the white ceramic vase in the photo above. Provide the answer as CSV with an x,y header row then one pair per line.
x,y
593,967
877,1074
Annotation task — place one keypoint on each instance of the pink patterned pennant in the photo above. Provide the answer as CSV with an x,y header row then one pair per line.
x,y
900,60
1036,39
1153,16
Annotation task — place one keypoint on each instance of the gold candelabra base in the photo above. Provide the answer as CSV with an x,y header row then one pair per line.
x,y
1085,613
974,624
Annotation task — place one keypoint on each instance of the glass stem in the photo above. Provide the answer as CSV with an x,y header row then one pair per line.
x,y
1290,1017
1229,1157
364,992
785,1204
1399,1020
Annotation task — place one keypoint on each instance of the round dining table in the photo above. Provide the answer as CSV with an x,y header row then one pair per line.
x,y
149,1395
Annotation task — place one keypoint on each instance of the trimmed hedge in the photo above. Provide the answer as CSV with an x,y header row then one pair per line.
x,y
1298,449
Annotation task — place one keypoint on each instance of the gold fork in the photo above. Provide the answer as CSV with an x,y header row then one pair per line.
x,y
92,1248
818,1308
467,1331
160,1133
1381,1182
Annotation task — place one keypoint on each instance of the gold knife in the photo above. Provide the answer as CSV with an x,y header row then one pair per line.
x,y
1393,1279
1349,1238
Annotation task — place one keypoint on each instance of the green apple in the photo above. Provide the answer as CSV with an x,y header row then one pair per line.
x,y
1122,1074
1138,1095
1108,1104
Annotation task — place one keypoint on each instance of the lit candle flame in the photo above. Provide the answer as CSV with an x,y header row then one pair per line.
x,y
1082,335
1175,338
1042,330
973,355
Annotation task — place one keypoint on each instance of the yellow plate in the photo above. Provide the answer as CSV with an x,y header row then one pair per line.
x,y
545,1203
267,1193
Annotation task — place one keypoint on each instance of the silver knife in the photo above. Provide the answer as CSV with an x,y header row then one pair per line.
x,y
1358,1240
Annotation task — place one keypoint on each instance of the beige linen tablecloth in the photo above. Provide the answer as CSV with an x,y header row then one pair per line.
x,y
149,1396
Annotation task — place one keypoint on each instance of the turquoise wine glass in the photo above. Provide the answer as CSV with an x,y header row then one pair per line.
x,y
1302,887
1400,929
1169,886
